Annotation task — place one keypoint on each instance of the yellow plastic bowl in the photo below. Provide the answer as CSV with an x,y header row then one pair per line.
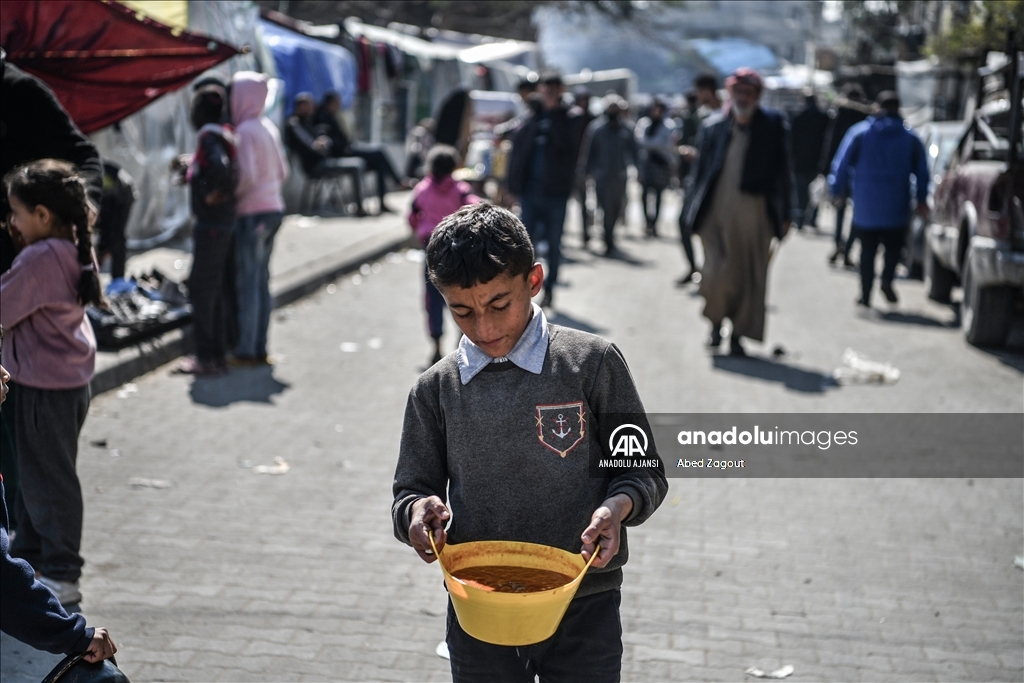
x,y
510,618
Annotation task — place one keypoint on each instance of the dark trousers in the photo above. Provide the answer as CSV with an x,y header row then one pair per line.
x,y
378,161
586,215
435,307
893,240
652,218
587,647
612,199
686,237
544,218
803,196
206,290
49,502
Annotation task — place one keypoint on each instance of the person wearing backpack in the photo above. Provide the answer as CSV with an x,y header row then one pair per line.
x,y
434,198
878,156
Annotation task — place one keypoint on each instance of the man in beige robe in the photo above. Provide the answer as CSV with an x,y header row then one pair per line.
x,y
741,204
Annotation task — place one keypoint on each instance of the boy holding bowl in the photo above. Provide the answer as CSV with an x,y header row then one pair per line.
x,y
505,430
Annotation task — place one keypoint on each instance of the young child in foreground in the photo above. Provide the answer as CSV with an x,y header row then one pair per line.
x,y
433,198
498,439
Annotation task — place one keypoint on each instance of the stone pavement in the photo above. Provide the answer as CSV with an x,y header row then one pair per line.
x,y
231,575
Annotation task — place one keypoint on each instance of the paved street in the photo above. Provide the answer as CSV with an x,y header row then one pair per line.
x,y
226,574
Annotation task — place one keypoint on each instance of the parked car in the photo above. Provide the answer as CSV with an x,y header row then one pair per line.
x,y
940,138
976,238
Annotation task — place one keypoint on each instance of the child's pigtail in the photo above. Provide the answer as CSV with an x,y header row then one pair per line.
x,y
89,289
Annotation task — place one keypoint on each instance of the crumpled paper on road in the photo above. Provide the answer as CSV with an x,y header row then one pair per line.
x,y
858,369
281,467
778,673
142,483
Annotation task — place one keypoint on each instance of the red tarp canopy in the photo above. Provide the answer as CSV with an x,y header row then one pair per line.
x,y
101,59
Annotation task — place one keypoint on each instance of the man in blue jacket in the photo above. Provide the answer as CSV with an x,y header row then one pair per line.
x,y
878,156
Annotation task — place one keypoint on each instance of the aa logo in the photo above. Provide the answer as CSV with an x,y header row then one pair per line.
x,y
628,441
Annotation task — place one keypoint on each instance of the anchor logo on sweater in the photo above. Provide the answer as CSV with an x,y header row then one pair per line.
x,y
561,427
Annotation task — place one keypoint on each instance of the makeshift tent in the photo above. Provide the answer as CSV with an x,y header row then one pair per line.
x,y
309,65
103,60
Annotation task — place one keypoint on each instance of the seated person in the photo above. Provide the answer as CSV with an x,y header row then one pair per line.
x,y
304,137
375,155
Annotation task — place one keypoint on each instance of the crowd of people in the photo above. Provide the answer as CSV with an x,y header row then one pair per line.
x,y
745,171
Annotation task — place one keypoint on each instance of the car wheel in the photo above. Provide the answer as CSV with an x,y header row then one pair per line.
x,y
985,312
940,280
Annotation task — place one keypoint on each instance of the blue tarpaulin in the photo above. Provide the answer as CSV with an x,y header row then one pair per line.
x,y
728,54
309,65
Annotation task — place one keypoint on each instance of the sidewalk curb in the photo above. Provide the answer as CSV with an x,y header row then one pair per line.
x,y
149,355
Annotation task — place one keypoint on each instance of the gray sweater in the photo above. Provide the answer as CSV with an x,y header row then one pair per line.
x,y
480,443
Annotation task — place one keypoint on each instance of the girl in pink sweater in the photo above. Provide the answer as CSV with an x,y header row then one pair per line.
x,y
433,198
50,352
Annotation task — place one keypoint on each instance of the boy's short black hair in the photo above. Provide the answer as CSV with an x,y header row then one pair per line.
x,y
476,244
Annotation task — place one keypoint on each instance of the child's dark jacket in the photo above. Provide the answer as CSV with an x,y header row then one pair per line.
x,y
212,170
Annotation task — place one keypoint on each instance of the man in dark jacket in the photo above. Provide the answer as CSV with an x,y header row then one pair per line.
x,y
609,149
849,110
809,128
33,125
881,155
581,108
541,172
313,146
740,202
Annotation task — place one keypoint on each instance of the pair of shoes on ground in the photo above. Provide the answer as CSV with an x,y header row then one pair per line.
x,y
67,592
191,365
251,361
887,290
735,345
548,299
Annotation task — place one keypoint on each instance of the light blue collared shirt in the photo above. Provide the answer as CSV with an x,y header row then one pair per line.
x,y
528,353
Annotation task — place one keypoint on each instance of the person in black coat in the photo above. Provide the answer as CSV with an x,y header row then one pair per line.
x,y
33,126
542,171
849,109
809,128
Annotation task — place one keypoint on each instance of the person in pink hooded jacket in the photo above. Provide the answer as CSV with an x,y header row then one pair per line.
x,y
433,198
262,169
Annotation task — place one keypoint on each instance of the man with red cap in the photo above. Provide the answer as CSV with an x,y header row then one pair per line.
x,y
741,201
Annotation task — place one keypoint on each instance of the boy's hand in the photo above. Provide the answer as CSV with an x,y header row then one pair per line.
x,y
604,529
428,515
100,647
